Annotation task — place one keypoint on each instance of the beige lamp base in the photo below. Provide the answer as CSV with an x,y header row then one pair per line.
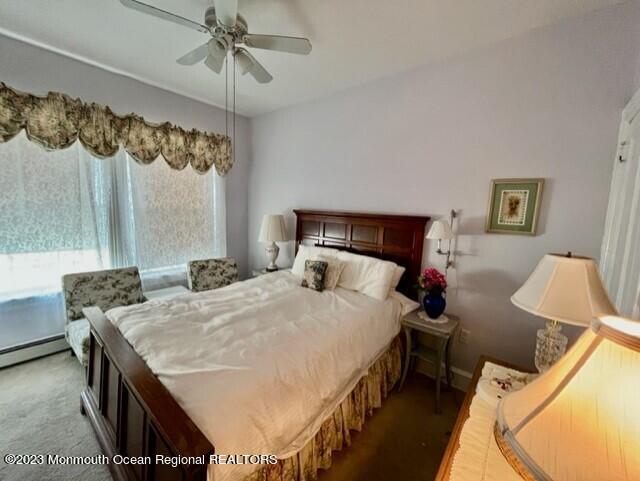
x,y
272,252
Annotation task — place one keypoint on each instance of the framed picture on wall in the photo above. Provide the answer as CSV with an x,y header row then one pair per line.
x,y
514,206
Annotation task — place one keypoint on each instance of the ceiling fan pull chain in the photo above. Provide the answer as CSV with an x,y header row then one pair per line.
x,y
233,145
226,96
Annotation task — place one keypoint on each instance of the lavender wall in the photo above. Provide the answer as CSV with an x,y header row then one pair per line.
x,y
36,70
542,105
636,78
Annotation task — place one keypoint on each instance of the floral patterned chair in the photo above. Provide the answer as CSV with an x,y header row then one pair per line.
x,y
105,289
210,274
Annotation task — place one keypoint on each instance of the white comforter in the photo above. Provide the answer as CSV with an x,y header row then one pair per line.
x,y
259,365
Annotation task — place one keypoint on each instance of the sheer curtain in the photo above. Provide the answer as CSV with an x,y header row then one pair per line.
x,y
176,217
66,211
620,256
52,221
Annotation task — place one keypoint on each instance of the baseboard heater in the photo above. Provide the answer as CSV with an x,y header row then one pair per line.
x,y
32,350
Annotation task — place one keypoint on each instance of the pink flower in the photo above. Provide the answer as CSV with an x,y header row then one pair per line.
x,y
432,280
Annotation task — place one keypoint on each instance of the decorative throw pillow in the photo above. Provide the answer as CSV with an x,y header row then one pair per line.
x,y
314,273
306,252
334,269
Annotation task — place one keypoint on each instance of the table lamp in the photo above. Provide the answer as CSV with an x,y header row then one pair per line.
x,y
272,230
562,288
579,420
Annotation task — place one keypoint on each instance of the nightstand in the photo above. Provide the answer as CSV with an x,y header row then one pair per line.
x,y
442,334
263,271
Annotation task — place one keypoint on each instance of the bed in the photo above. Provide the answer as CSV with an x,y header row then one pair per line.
x,y
278,370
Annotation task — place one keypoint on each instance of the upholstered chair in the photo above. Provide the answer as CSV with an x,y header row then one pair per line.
x,y
106,289
210,274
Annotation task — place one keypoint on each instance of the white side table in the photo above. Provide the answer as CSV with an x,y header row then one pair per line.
x,y
263,271
442,333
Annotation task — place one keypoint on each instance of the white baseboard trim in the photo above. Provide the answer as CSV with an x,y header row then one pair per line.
x,y
31,352
461,378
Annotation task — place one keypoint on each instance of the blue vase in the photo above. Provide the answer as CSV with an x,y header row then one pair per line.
x,y
434,304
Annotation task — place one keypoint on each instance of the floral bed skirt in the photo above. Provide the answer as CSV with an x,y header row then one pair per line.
x,y
334,434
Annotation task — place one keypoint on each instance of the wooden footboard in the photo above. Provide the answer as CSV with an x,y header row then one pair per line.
x,y
134,415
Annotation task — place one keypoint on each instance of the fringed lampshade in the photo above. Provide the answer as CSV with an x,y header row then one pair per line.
x,y
580,420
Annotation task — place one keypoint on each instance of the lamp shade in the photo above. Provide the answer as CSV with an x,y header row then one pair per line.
x,y
440,229
272,229
243,61
566,289
579,420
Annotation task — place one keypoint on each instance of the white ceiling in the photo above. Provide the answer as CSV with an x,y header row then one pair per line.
x,y
353,40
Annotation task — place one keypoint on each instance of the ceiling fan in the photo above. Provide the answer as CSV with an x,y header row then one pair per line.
x,y
228,30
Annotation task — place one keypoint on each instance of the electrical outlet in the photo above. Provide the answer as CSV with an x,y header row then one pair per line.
x,y
465,334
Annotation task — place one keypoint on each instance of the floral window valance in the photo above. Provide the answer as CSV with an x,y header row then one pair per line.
x,y
57,121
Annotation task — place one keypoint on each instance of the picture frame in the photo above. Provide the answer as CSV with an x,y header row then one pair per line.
x,y
514,206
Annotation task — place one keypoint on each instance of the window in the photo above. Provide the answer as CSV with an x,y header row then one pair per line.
x,y
52,218
174,222
66,211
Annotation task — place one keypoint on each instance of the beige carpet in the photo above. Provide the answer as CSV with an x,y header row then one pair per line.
x,y
40,414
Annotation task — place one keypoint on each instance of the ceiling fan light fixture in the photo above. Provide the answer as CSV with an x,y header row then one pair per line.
x,y
226,12
217,47
210,17
214,63
244,63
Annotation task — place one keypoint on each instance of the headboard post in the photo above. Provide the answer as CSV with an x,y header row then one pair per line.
x,y
398,238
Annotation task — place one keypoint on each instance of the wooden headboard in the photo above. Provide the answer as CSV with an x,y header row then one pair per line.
x,y
397,238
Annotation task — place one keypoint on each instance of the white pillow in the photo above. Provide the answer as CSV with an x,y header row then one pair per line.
x,y
407,305
309,253
397,275
366,274
334,269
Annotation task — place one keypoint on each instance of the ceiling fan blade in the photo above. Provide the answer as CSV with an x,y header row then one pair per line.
x,y
226,12
248,64
280,43
196,55
163,14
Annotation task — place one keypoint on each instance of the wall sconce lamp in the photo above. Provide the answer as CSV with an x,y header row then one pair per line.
x,y
442,230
